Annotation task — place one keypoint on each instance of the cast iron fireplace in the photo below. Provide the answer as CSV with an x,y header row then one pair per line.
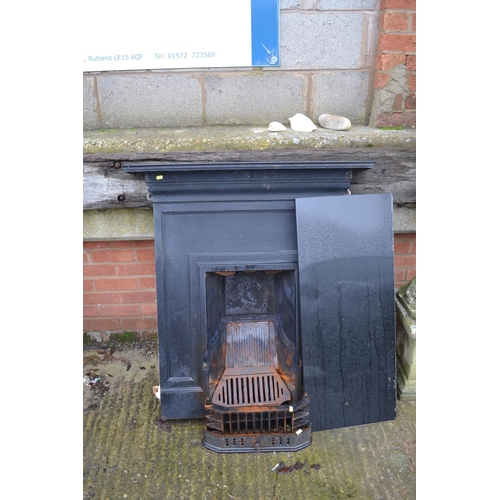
x,y
275,291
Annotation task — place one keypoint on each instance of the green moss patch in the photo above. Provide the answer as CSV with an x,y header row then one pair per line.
x,y
124,337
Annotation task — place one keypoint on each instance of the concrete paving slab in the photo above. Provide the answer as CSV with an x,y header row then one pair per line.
x,y
129,452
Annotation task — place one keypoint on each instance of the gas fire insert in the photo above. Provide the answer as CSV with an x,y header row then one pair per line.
x,y
275,291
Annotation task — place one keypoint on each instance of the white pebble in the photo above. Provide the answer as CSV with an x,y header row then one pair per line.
x,y
302,123
276,127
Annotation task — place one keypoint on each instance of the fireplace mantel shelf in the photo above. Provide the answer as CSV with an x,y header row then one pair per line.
x,y
252,166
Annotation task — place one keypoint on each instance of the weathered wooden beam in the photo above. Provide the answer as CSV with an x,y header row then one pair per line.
x,y
105,185
394,172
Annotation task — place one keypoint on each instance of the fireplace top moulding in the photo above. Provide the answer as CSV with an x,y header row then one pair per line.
x,y
218,166
169,181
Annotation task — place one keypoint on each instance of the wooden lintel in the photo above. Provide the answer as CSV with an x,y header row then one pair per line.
x,y
107,186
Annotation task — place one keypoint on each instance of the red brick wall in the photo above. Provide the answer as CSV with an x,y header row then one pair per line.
x,y
397,46
119,285
405,256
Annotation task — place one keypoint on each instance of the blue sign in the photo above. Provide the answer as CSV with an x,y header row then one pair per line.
x,y
265,33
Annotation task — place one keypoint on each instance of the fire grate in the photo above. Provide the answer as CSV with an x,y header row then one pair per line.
x,y
272,428
250,377
252,408
250,386
283,418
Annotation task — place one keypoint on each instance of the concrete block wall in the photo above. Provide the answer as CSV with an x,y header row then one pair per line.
x,y
328,60
119,284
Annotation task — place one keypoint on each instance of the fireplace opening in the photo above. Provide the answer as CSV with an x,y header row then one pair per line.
x,y
256,399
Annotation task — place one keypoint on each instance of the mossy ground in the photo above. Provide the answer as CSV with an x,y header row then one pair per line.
x,y
129,452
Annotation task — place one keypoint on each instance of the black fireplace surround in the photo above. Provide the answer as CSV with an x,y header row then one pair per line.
x,y
275,292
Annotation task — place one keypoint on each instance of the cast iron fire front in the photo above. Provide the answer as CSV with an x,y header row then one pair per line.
x,y
275,294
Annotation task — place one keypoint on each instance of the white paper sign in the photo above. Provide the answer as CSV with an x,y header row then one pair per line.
x,y
173,34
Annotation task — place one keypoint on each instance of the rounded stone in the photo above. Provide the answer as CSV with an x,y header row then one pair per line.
x,y
334,122
301,123
276,127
